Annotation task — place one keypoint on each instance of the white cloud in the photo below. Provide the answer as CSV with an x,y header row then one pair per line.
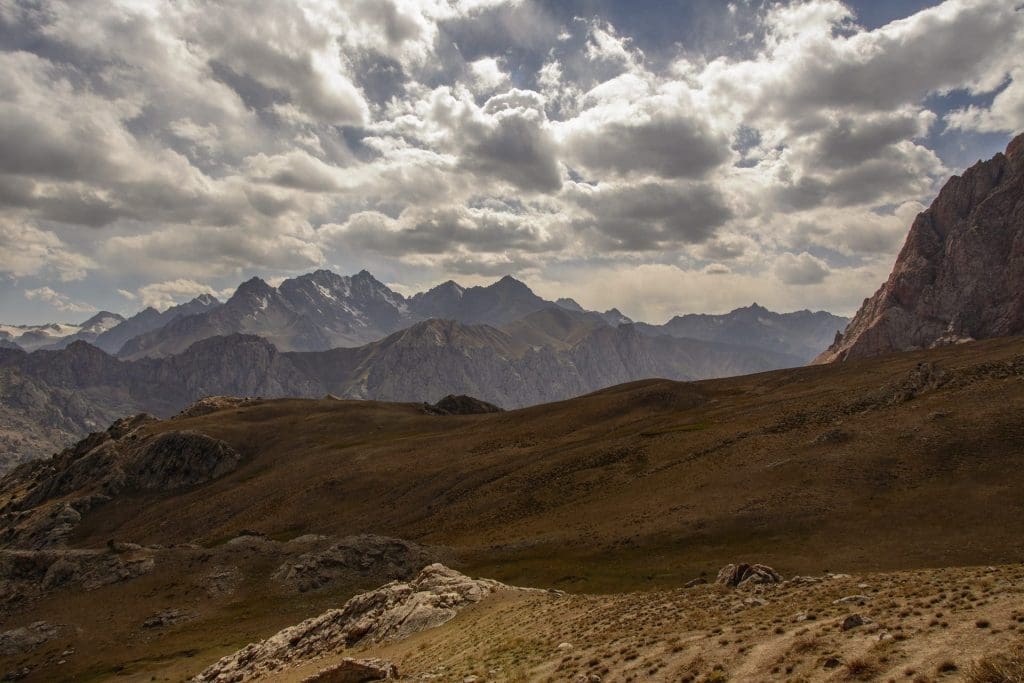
x,y
59,301
161,295
26,250
801,269
487,74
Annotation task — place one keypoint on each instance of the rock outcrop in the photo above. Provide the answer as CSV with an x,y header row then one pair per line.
x,y
26,638
393,611
960,275
355,557
461,405
41,502
735,575
351,670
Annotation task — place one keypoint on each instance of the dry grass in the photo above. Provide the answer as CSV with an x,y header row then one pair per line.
x,y
615,492
1000,668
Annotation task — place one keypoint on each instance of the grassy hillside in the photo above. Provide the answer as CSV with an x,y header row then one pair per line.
x,y
891,464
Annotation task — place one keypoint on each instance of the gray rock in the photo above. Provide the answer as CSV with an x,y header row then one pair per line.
x,y
853,621
735,575
393,611
18,641
351,670
356,556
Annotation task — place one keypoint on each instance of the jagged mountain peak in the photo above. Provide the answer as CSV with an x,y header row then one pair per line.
x,y
254,285
569,304
509,282
103,319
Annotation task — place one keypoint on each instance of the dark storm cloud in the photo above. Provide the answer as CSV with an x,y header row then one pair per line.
x,y
509,139
652,214
668,144
443,231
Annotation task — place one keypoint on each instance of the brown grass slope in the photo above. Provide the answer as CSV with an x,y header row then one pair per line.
x,y
882,464
876,464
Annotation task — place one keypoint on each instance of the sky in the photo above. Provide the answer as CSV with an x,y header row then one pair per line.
x,y
659,157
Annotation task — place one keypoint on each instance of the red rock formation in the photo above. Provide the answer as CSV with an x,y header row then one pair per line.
x,y
960,275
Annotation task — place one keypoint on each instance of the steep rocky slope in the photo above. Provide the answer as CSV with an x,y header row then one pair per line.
x,y
960,274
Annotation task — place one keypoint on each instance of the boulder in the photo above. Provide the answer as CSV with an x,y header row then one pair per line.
x,y
734,575
853,621
351,670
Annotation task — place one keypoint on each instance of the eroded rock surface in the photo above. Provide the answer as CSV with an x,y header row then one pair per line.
x,y
43,501
960,275
393,611
735,575
26,638
362,555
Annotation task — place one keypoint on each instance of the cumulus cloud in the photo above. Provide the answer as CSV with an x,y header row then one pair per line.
x,y
801,269
177,144
59,301
26,250
162,295
487,74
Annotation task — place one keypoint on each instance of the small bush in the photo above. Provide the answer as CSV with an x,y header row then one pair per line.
x,y
861,669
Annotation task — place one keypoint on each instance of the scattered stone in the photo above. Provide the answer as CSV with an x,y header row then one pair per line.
x,y
565,646
211,404
850,599
700,580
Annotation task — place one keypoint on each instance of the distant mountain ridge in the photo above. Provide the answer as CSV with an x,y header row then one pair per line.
x,y
802,333
323,310
150,319
548,355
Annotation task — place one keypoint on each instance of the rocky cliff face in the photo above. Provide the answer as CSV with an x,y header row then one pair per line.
x,y
960,275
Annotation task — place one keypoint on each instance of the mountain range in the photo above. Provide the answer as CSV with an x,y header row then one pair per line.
x,y
354,337
50,397
323,310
